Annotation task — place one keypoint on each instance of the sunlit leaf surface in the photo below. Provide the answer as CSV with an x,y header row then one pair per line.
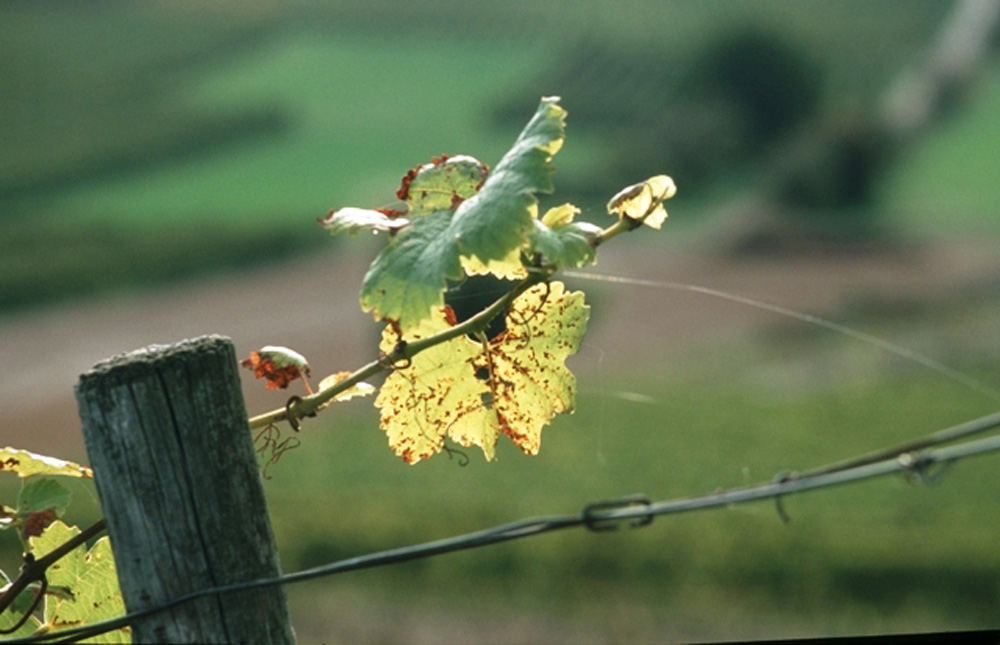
x,y
91,579
26,464
471,392
643,202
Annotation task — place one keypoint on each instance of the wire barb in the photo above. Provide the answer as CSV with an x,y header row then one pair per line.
x,y
783,477
593,514
922,468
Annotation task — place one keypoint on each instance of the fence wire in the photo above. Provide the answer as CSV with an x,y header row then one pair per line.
x,y
915,459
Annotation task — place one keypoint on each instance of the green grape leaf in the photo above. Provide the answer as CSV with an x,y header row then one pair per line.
x,y
43,494
498,218
451,225
442,184
90,578
471,392
642,203
353,221
406,282
26,464
563,242
40,502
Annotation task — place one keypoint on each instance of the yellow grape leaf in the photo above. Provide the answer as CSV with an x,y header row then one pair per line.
x,y
508,268
91,578
643,202
559,215
470,392
26,464
435,395
529,379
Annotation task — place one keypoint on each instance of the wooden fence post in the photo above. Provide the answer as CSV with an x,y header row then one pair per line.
x,y
167,436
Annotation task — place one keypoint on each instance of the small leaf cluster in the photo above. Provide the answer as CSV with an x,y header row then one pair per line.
x,y
82,586
455,218
41,500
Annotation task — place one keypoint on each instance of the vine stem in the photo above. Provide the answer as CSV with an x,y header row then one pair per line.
x,y
626,224
623,225
403,351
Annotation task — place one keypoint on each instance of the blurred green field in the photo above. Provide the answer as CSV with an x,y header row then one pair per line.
x,y
351,134
947,184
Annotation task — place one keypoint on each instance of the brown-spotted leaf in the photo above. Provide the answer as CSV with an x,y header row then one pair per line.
x,y
90,575
34,524
528,375
442,184
436,396
472,392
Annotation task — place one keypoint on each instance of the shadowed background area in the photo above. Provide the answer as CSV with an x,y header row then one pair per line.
x,y
163,166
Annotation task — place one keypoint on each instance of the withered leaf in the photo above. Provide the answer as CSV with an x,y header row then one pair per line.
x,y
279,365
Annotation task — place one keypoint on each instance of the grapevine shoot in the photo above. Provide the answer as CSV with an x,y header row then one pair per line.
x,y
460,218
